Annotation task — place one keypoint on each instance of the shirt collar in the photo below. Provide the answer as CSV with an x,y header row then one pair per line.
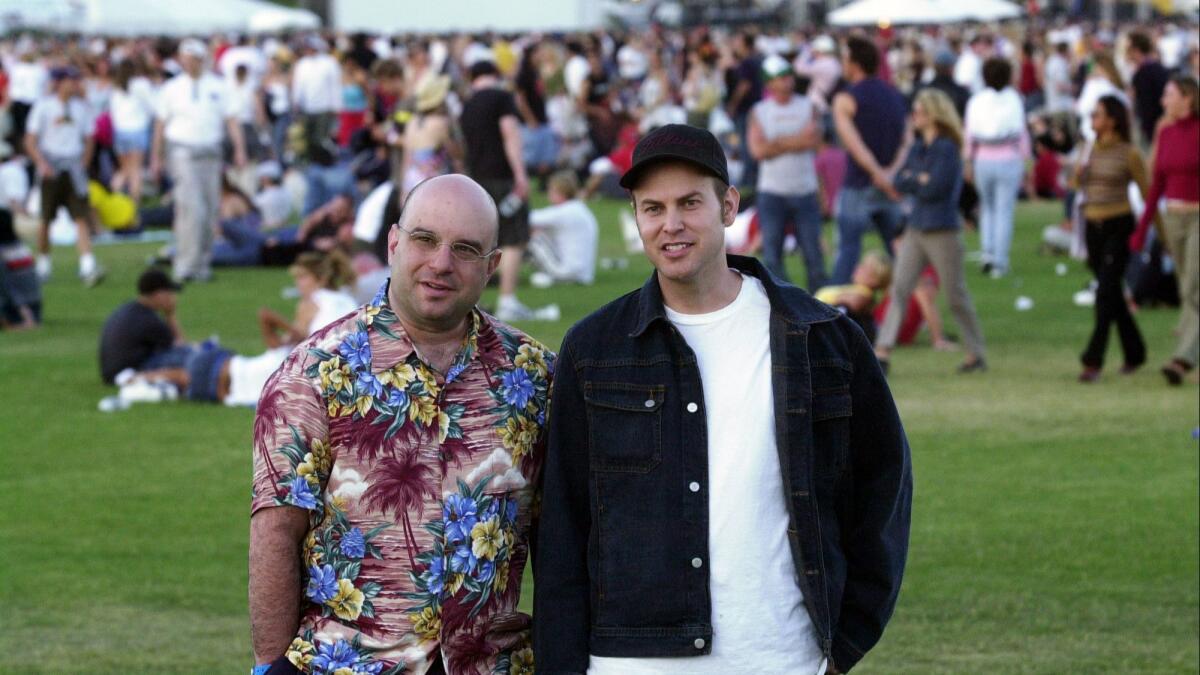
x,y
391,346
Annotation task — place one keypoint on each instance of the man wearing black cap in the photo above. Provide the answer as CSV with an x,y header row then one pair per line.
x,y
727,484
58,139
144,333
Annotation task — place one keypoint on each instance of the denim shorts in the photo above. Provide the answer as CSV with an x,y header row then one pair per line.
x,y
125,142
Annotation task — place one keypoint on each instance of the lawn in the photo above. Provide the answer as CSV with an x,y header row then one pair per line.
x,y
1055,525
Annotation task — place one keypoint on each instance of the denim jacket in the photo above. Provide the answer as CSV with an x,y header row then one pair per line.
x,y
622,516
934,202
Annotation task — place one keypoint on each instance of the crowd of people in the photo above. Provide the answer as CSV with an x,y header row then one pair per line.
x,y
257,150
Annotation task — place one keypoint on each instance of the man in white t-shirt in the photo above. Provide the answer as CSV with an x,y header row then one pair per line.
x,y
194,113
727,486
564,235
59,142
316,92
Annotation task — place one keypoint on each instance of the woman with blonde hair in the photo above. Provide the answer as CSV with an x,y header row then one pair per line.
x,y
932,177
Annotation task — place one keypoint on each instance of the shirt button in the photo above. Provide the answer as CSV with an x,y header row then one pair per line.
x,y
649,403
696,562
692,407
699,643
694,486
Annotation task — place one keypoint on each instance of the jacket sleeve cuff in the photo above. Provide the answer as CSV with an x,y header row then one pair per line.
x,y
845,655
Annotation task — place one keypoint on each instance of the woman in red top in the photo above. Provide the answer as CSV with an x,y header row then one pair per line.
x,y
1177,178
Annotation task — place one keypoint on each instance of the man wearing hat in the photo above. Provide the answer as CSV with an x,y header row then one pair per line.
x,y
58,139
192,109
727,483
144,333
943,80
783,135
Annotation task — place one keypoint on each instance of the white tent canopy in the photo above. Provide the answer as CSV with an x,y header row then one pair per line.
x,y
917,12
162,17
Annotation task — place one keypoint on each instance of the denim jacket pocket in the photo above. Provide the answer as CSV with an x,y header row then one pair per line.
x,y
625,426
832,408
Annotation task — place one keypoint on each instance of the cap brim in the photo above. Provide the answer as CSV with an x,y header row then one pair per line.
x,y
630,179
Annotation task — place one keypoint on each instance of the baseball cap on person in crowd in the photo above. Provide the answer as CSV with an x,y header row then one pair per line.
x,y
680,142
823,44
193,47
154,280
775,66
65,73
944,58
270,169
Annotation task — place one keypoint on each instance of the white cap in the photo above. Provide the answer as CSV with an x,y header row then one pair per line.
x,y
824,44
193,47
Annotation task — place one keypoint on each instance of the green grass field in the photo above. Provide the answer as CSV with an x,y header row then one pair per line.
x,y
1055,525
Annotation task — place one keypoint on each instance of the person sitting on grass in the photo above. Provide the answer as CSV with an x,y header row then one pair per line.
x,y
220,376
20,288
144,333
563,241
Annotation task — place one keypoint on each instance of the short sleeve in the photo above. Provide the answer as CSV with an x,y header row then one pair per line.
x,y
291,441
508,105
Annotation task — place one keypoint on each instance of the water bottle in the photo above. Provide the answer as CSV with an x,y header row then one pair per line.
x,y
510,205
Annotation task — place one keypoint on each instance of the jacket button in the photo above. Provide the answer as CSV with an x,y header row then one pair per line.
x,y
649,403
692,407
699,643
694,486
697,563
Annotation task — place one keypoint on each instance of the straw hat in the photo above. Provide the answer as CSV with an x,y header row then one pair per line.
x,y
431,92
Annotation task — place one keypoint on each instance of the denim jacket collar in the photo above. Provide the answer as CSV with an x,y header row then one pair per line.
x,y
793,304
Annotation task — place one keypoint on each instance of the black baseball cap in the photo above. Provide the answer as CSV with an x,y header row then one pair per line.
x,y
677,142
154,280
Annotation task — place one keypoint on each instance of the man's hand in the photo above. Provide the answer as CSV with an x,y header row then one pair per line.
x,y
521,187
44,169
884,184
968,172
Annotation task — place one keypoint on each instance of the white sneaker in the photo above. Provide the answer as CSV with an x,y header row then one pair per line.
x,y
94,278
1084,298
142,391
541,280
508,312
124,377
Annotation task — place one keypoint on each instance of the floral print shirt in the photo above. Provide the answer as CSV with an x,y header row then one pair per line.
x,y
419,488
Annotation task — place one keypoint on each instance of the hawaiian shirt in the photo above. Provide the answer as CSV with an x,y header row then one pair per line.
x,y
419,487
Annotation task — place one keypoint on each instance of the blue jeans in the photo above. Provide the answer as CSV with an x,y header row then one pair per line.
x,y
998,182
858,209
775,212
241,242
325,183
540,147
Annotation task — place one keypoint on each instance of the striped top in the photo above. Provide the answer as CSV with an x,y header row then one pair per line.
x,y
1104,179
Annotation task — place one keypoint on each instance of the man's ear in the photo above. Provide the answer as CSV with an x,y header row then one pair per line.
x,y
729,205
393,240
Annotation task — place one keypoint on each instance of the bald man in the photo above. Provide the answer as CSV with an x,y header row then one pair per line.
x,y
395,456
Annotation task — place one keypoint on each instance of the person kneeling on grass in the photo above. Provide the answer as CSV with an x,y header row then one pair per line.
x,y
563,241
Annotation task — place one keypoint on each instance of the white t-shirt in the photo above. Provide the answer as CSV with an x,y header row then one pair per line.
x,y
194,110
61,128
132,110
317,84
14,183
574,231
275,205
760,624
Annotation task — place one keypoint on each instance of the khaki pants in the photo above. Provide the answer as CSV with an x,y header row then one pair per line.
x,y
1181,233
944,250
197,198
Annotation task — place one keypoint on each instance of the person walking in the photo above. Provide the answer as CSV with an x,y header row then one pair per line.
x,y
932,176
192,108
1176,177
1110,165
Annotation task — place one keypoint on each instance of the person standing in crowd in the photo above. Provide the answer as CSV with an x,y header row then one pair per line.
x,y
871,120
745,90
1176,177
823,70
1056,79
783,134
968,70
726,419
1030,77
1103,79
492,132
1149,79
1110,164
933,176
418,414
431,145
59,141
316,93
192,108
276,86
28,80
538,141
132,111
995,152
943,81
